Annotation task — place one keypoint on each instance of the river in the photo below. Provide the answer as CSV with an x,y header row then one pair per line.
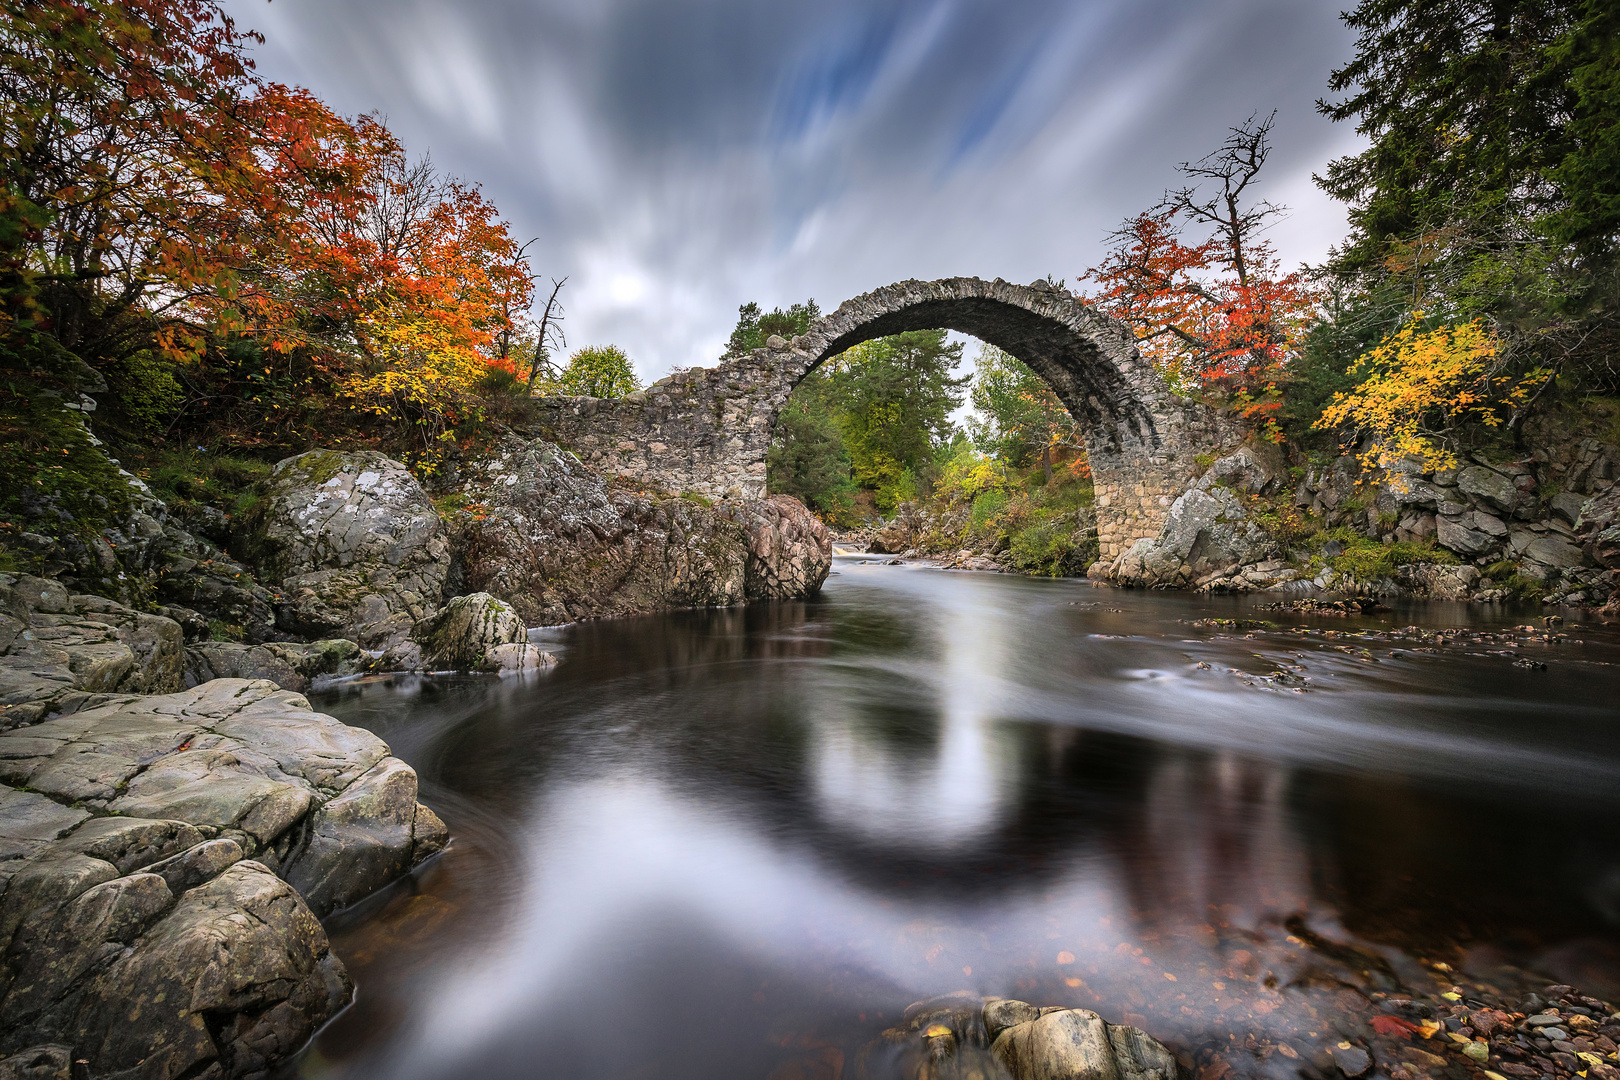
x,y
739,843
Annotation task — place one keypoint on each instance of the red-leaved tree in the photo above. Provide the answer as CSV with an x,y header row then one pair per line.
x,y
1214,310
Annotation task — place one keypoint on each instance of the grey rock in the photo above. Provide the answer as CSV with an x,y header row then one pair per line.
x,y
460,636
196,865
61,651
1598,527
1352,1062
359,841
1567,505
1003,1013
515,658
1070,1044
1489,486
1257,470
231,660
1552,551
240,954
1206,534
1488,523
48,1062
1462,539
28,822
1138,1056
1439,581
145,935
558,544
357,546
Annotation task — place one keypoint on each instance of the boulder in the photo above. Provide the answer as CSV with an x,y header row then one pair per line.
x,y
1207,535
1598,527
947,1038
1567,505
461,635
1454,535
1074,1044
558,543
234,970
1255,470
1489,486
1553,552
164,874
356,545
1439,581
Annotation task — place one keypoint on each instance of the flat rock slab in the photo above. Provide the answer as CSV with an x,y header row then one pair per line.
x,y
162,878
61,651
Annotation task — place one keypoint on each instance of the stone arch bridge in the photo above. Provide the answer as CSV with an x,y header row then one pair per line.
x,y
706,431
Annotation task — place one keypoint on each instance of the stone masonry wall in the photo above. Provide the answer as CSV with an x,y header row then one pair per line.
x,y
707,430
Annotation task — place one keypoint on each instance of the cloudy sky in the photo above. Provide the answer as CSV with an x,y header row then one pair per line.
x,y
676,158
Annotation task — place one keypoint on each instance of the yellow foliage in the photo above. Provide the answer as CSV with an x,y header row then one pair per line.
x,y
1419,384
967,474
426,363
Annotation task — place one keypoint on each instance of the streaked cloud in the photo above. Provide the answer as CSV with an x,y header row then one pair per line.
x,y
676,158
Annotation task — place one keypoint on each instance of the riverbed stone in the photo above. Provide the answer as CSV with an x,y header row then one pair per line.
x,y
1071,1044
356,545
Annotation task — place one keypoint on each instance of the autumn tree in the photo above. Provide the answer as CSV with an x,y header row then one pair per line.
x,y
146,171
1200,285
1490,184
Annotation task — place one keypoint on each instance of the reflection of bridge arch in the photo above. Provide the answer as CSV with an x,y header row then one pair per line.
x,y
707,430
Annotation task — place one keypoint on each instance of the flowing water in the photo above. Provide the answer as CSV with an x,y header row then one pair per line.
x,y
740,843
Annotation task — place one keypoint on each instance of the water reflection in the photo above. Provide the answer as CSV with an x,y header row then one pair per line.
x,y
712,843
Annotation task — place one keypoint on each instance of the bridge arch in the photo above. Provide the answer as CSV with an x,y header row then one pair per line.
x,y
706,431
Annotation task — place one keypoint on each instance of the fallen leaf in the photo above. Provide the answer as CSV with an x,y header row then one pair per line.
x,y
1287,1051
936,1029
1427,1028
1071,982
1169,976
1065,957
1394,1027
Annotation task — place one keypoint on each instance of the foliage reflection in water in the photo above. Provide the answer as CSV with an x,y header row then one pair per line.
x,y
740,843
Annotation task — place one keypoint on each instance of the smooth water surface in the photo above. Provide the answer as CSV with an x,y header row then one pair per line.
x,y
739,843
